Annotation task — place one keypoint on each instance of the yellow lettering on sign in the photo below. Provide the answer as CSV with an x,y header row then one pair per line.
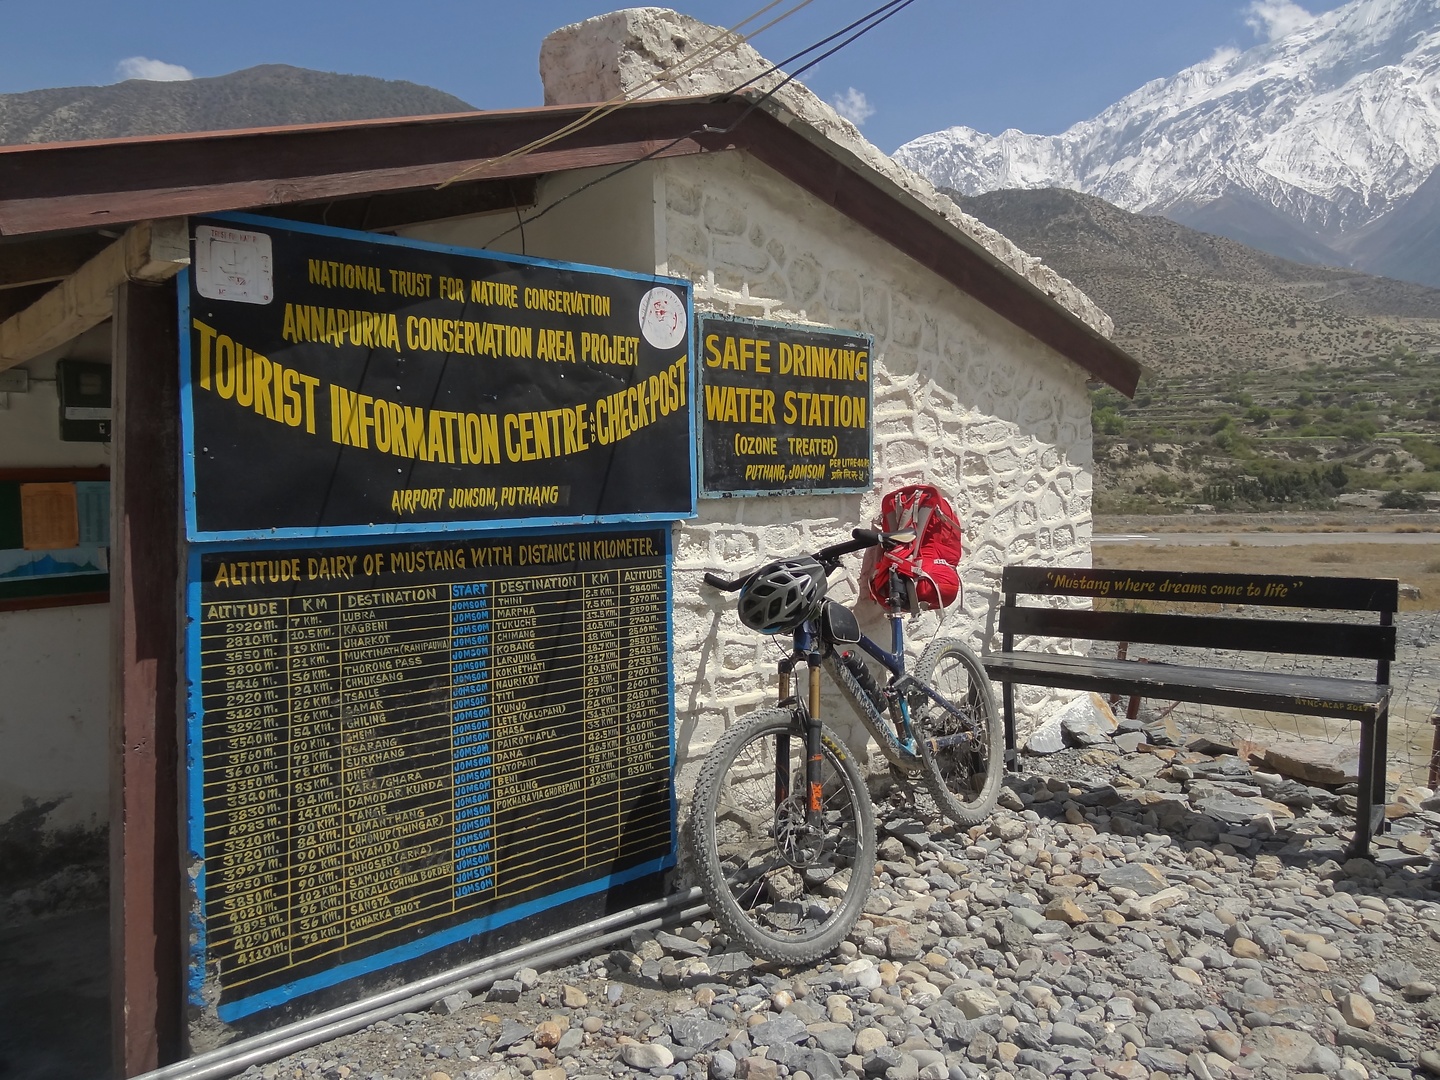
x,y
235,372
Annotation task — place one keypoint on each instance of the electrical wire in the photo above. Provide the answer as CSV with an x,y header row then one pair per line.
x,y
684,66
878,15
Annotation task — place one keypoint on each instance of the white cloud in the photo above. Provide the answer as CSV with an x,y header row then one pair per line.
x,y
853,106
1222,56
142,67
1274,19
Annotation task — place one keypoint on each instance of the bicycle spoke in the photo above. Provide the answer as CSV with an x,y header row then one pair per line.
x,y
785,888
960,736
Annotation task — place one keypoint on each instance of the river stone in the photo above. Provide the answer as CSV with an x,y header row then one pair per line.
x,y
697,1032
1176,1029
1286,1046
1071,1035
976,1002
1225,1043
722,1065
818,1063
511,1032
868,1039
785,1028
1139,878
1224,767
504,990
837,1039
1357,1011
1147,965
862,973
676,945
1236,809
640,1055
757,1068
1396,973
1369,1042
881,1060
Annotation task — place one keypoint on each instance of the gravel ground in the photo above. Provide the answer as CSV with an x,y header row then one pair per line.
x,y
1134,910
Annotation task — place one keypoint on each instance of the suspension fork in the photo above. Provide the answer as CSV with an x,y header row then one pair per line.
x,y
782,743
814,752
814,746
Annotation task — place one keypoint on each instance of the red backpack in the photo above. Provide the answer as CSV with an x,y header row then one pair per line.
x,y
929,565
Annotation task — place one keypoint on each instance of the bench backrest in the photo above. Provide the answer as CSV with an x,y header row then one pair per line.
x,y
1370,640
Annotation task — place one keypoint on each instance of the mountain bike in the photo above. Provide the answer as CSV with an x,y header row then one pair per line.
x,y
782,824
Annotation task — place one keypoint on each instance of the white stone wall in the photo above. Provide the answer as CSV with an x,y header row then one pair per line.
x,y
962,399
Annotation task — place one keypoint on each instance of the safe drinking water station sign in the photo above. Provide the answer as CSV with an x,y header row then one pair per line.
x,y
786,409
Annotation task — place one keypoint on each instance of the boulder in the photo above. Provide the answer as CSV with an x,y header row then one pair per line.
x,y
1313,762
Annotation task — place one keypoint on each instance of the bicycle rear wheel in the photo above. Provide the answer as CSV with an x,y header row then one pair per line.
x,y
961,746
787,892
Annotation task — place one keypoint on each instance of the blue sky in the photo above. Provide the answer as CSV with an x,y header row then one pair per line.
x,y
1037,65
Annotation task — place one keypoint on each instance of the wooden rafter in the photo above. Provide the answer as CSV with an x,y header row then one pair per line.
x,y
150,251
38,262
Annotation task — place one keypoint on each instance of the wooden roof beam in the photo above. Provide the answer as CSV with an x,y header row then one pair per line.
x,y
149,251
41,262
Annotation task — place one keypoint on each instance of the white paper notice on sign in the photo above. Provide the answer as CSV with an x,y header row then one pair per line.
x,y
234,265
662,317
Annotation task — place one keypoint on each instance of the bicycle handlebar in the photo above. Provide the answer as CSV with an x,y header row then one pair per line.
x,y
715,581
828,557
863,538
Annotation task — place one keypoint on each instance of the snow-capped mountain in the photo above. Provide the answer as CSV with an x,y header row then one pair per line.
x,y
1301,146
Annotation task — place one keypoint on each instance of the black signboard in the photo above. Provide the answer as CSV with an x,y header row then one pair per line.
x,y
339,383
787,409
394,747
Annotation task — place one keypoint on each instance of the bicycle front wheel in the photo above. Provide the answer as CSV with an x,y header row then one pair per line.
x,y
788,891
961,741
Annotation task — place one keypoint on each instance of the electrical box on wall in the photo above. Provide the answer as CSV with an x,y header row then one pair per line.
x,y
85,413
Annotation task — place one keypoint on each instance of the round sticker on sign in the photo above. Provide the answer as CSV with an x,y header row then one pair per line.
x,y
662,317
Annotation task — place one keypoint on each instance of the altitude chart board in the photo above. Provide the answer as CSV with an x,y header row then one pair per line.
x,y
786,408
394,746
338,383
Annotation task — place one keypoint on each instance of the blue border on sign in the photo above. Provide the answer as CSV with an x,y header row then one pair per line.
x,y
187,416
809,328
195,812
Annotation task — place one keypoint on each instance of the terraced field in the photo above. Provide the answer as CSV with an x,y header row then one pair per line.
x,y
1270,384
1302,436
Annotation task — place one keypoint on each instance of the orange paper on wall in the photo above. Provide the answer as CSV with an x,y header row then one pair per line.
x,y
49,519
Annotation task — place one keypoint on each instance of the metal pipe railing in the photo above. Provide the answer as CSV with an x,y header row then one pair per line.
x,y
268,1046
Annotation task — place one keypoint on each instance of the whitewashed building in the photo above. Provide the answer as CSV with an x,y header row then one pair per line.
x,y
772,207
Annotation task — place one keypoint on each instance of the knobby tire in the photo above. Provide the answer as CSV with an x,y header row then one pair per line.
x,y
784,894
964,776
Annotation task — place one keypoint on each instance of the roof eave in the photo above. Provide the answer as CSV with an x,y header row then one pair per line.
x,y
109,184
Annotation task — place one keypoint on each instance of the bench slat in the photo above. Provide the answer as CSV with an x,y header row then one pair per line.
x,y
1268,590
1310,695
1370,642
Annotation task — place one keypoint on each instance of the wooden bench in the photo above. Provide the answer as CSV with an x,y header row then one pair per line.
x,y
1364,701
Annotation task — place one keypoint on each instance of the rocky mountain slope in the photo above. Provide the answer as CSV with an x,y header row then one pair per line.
x,y
1186,301
1307,146
1268,383
272,94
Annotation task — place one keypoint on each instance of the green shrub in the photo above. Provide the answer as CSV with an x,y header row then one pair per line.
x,y
1403,500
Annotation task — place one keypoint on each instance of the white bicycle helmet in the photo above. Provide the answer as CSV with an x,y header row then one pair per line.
x,y
782,595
